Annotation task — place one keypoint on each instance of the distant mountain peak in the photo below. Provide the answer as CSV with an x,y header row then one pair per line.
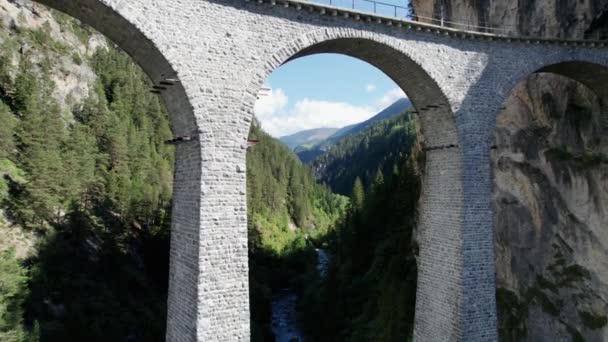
x,y
396,108
308,151
308,137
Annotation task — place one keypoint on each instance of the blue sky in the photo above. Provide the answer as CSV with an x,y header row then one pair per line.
x,y
324,90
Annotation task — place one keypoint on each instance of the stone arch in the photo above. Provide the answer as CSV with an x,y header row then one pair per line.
x,y
440,264
388,55
126,26
594,76
591,72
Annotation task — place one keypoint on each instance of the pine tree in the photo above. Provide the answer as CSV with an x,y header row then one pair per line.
x,y
13,292
40,136
82,182
358,195
7,131
378,181
26,86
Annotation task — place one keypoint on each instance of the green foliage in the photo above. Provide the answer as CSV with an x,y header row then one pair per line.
x,y
83,32
39,137
41,38
11,174
379,147
536,294
543,283
358,195
283,192
13,292
369,292
574,273
582,161
97,189
76,58
512,315
7,131
592,320
287,209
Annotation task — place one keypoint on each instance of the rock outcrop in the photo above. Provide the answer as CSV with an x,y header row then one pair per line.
x,y
551,180
50,39
545,18
41,33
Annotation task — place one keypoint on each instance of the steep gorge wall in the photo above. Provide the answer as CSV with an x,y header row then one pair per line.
x,y
551,181
547,18
47,39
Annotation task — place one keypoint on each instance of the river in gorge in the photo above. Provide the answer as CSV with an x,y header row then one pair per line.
x,y
284,320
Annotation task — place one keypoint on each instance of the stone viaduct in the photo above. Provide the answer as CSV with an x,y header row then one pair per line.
x,y
209,58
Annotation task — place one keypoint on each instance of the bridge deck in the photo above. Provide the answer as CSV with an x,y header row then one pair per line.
x,y
427,23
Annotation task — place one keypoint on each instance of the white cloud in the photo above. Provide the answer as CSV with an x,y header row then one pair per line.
x,y
272,103
308,114
278,121
370,87
390,97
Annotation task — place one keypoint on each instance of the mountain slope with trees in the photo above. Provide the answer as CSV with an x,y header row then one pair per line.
x,y
85,189
307,138
369,291
286,208
378,147
308,152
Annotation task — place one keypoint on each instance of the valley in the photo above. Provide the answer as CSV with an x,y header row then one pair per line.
x,y
321,213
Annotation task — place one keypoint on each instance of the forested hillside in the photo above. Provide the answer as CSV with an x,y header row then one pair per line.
x,y
286,208
378,147
369,291
85,189
307,152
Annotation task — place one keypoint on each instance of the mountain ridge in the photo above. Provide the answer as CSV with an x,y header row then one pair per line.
x,y
307,137
308,152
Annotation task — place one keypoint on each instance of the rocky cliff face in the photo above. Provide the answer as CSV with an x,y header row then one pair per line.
x,y
551,181
548,18
43,33
551,200
48,39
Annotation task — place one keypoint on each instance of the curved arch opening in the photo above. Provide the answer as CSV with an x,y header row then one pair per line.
x,y
426,96
592,75
550,169
441,140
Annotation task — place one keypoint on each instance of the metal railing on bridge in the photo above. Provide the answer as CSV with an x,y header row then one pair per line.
x,y
405,12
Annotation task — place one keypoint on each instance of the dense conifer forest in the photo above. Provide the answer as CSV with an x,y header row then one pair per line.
x,y
369,291
379,147
288,210
93,185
